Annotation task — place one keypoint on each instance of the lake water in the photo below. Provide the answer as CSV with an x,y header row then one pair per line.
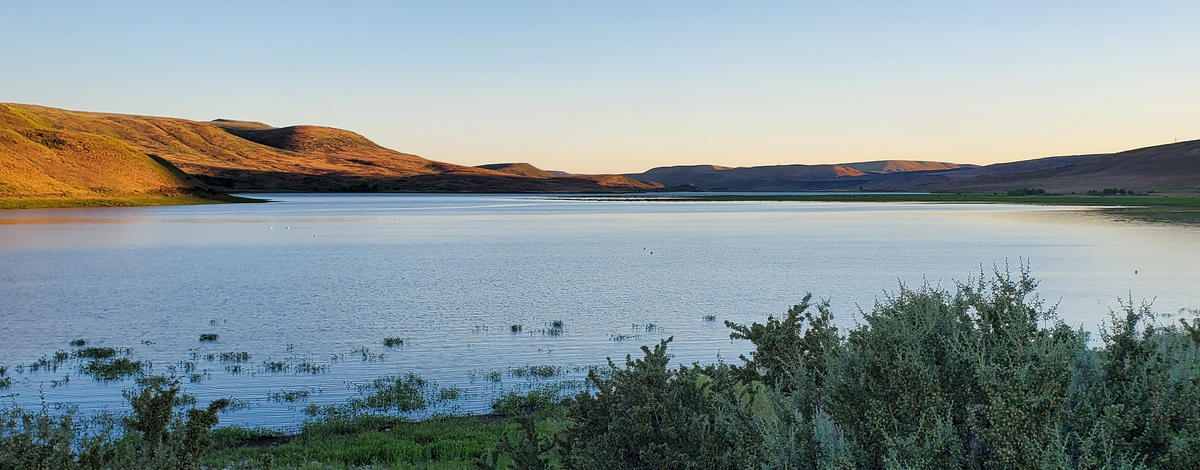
x,y
316,278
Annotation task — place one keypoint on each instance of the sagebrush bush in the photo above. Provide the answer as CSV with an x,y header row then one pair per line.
x,y
980,376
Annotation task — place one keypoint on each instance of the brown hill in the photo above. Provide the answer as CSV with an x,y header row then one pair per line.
x,y
782,177
1167,167
519,169
246,155
39,160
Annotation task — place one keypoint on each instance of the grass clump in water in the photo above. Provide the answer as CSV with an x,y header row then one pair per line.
x,y
392,342
402,393
208,337
115,369
311,368
95,353
80,342
710,317
540,371
514,404
231,356
515,328
289,396
451,393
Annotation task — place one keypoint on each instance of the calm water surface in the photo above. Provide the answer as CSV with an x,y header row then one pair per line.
x,y
316,278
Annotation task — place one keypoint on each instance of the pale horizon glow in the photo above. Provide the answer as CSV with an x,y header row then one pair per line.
x,y
615,87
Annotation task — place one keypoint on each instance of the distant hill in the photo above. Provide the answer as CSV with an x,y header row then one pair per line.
x,y
519,169
49,151
1166,167
783,177
603,181
56,154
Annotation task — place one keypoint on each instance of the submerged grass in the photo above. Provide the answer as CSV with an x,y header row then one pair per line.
x,y
115,369
96,353
392,341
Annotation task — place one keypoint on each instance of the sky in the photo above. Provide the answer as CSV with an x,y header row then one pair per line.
x,y
614,86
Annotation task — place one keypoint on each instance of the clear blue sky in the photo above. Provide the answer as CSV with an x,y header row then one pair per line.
x,y
615,87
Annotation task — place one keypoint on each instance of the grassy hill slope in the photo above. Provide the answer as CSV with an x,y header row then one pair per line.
x,y
44,165
231,155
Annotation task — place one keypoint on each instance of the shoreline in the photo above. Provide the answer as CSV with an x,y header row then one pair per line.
x,y
1172,208
7,204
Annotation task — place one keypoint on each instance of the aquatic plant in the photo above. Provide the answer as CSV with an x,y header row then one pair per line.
x,y
208,337
400,393
231,356
515,328
289,396
78,342
366,354
710,317
311,368
513,403
542,371
114,369
449,393
96,353
275,366
393,342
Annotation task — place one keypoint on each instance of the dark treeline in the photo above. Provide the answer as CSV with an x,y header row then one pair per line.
x,y
979,377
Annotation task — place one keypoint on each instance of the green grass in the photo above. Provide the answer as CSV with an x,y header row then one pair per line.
x,y
438,443
116,369
130,201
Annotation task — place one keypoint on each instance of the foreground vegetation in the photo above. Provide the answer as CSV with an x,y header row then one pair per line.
x,y
979,376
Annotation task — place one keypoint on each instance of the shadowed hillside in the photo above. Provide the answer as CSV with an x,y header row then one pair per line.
x,y
245,155
1170,167
783,177
1162,167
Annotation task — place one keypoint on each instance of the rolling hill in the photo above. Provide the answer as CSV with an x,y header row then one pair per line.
x,y
1169,167
41,161
784,177
74,157
56,153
